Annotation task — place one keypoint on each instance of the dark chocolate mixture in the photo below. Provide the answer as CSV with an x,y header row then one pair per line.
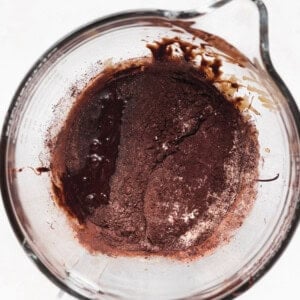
x,y
152,158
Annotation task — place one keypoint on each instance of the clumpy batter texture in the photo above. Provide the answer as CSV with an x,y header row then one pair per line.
x,y
152,158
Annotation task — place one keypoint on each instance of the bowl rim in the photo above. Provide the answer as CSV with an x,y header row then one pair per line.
x,y
265,53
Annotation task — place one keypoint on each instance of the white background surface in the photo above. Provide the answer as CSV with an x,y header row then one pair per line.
x,y
28,28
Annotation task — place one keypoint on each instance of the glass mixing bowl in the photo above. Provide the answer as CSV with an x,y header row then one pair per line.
x,y
43,101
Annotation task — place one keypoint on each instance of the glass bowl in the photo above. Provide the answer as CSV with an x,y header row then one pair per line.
x,y
43,101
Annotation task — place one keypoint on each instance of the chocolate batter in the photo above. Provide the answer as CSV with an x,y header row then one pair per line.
x,y
152,158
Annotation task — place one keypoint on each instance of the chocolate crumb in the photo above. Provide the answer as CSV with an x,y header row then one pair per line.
x,y
42,169
269,179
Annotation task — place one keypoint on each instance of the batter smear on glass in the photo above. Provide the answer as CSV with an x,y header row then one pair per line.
x,y
152,158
